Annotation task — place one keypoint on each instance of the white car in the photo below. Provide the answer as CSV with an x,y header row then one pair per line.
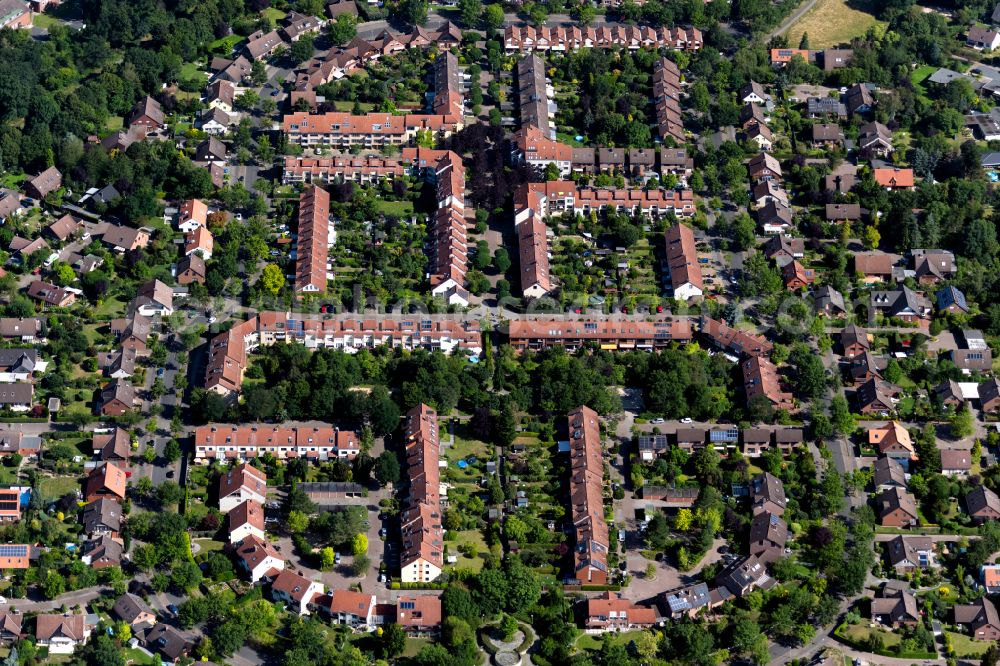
x,y
657,421
686,420
213,319
3,600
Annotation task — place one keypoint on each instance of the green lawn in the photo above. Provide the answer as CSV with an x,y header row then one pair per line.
x,y
114,123
139,657
110,308
226,44
859,633
965,646
570,139
273,14
413,646
44,21
474,537
588,642
191,70
54,487
346,107
396,208
208,545
919,75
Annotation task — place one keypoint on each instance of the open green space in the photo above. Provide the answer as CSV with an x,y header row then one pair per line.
x,y
831,23
54,487
965,646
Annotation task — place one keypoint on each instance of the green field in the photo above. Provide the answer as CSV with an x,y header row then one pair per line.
x,y
831,23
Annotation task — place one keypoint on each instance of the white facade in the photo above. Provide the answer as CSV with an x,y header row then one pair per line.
x,y
245,530
300,605
419,571
237,497
686,292
265,565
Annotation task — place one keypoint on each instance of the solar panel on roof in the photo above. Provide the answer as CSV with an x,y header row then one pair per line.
x,y
9,550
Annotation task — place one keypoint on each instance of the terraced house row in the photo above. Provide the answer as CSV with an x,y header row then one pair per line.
x,y
586,489
417,162
227,356
245,442
341,62
421,521
527,38
372,131
561,196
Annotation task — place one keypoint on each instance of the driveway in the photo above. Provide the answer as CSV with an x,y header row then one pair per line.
x,y
667,577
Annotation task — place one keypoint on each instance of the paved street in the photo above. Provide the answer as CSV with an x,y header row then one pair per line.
x,y
70,599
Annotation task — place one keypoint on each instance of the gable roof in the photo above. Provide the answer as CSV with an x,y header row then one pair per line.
x,y
130,606
72,627
982,498
108,477
243,476
104,512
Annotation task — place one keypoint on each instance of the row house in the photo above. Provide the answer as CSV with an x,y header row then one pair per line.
x,y
312,248
651,203
341,62
422,556
610,612
758,440
760,381
667,100
342,169
682,263
673,161
295,591
586,488
241,483
733,340
610,334
243,443
533,147
354,332
533,249
372,131
449,97
535,94
258,559
227,358
525,39
245,520
448,235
